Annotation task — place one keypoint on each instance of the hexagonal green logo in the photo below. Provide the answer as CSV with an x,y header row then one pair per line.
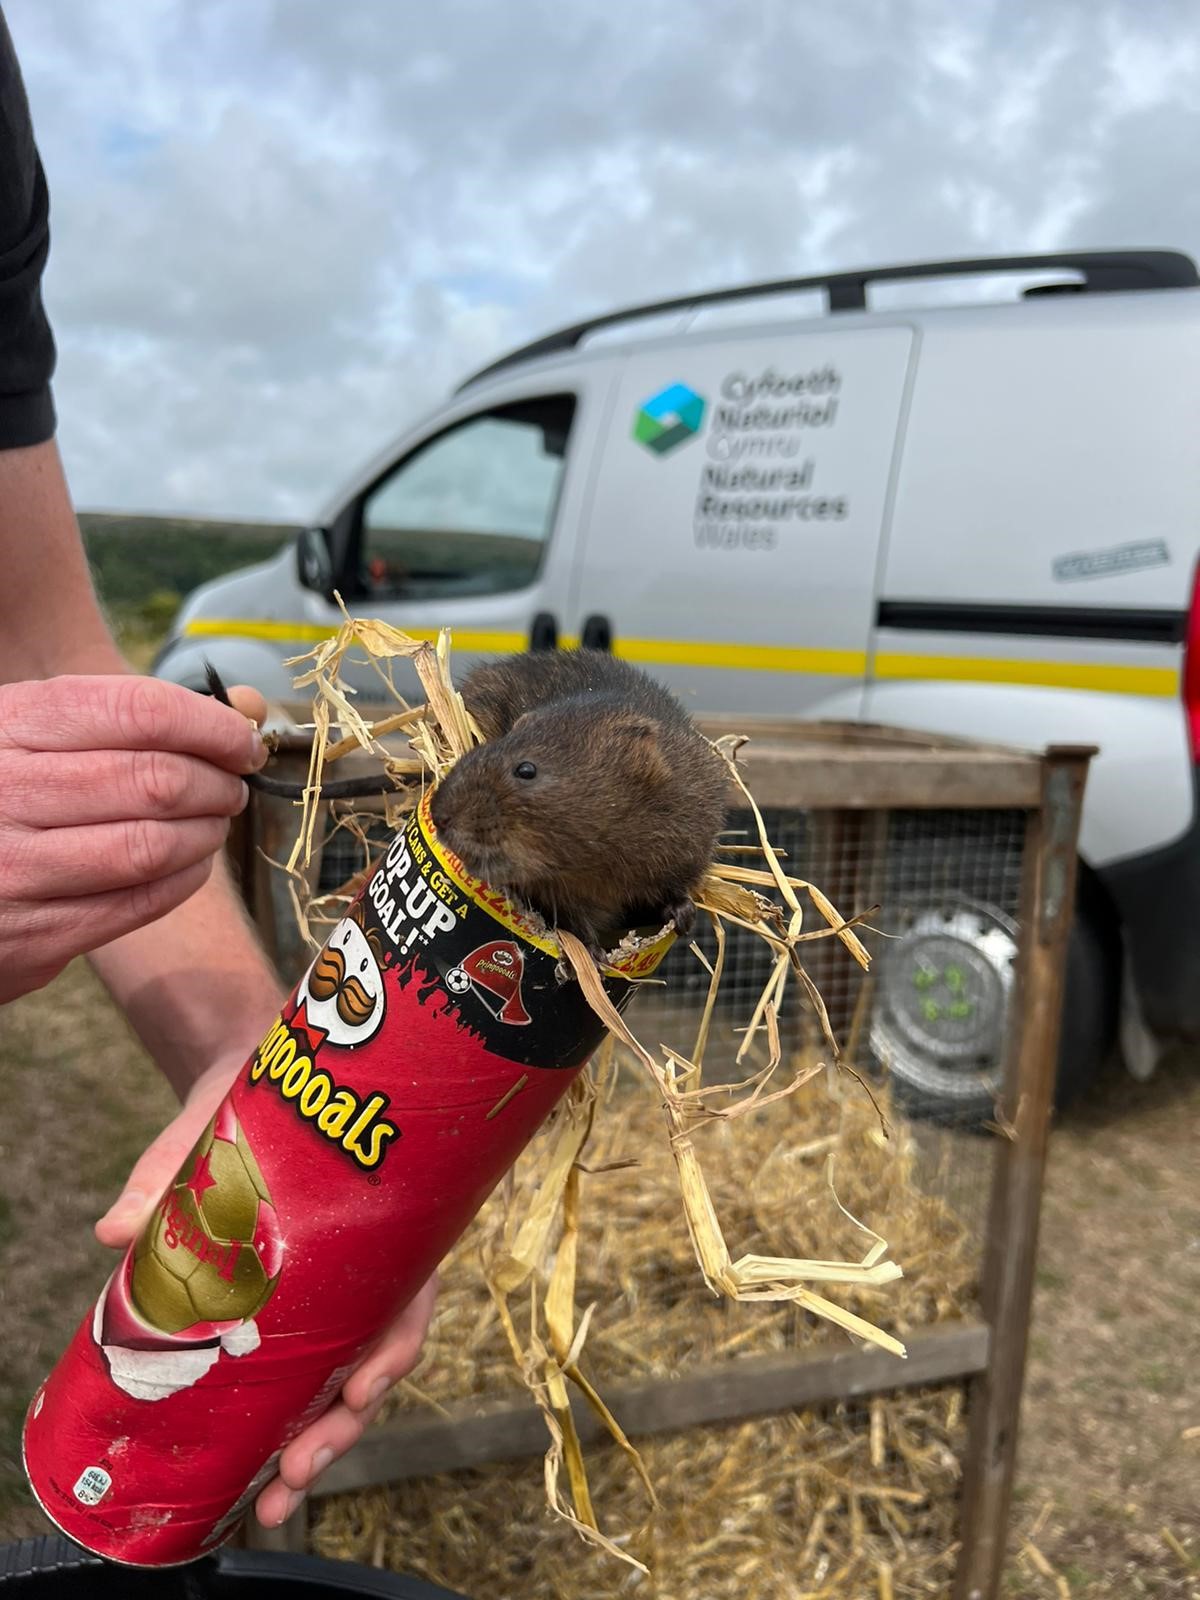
x,y
669,418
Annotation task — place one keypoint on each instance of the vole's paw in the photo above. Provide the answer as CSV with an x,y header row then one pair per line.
x,y
683,914
594,949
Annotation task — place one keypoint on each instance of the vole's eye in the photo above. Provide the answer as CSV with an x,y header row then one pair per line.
x,y
524,769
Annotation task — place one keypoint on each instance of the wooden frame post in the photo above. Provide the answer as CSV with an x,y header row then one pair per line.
x,y
994,1395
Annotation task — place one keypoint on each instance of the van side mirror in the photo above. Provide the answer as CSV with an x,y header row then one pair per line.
x,y
314,563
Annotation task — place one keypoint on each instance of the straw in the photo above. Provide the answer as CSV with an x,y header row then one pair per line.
x,y
533,1265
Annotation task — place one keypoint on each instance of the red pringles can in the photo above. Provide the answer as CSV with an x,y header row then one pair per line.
x,y
414,1060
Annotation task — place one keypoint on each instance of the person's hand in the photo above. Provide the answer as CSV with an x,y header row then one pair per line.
x,y
115,796
391,1358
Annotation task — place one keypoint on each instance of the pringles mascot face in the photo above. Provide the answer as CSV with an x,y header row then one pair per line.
x,y
343,989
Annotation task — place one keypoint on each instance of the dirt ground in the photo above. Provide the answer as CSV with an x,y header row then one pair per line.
x,y
1109,1479
1108,1492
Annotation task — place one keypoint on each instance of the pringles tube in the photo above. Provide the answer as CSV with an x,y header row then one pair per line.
x,y
414,1060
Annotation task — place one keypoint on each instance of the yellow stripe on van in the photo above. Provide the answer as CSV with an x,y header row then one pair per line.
x,y
314,632
1094,675
235,627
743,657
1159,682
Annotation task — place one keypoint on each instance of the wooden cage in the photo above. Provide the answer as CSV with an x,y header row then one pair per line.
x,y
874,808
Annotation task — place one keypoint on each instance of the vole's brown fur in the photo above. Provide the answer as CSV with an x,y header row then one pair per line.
x,y
621,820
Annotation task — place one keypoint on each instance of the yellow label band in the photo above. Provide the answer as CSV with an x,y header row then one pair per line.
x,y
743,657
633,964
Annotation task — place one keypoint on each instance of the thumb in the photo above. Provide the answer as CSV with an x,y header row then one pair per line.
x,y
143,1188
122,1222
249,702
154,1170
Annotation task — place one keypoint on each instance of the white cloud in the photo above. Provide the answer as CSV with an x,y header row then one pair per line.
x,y
282,229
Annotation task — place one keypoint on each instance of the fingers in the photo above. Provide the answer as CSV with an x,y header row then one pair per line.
x,y
61,788
396,1353
304,1460
341,1427
56,931
55,863
127,713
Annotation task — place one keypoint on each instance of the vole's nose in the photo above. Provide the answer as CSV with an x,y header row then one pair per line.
x,y
440,809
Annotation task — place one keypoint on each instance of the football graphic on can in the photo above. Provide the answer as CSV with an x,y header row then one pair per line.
x,y
211,1255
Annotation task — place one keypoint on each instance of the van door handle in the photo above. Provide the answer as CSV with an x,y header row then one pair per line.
x,y
597,634
543,632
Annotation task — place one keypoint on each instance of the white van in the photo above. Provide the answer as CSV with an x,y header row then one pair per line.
x,y
971,518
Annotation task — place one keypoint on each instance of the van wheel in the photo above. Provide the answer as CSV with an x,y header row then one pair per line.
x,y
943,984
944,989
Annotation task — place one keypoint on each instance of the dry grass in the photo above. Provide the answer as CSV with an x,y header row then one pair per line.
x,y
787,1508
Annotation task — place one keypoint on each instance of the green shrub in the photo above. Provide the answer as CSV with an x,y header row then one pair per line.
x,y
157,610
137,562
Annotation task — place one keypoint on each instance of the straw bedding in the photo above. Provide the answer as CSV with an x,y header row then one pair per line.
x,y
852,1500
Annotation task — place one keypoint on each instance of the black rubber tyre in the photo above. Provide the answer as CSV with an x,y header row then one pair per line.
x,y
1092,992
53,1568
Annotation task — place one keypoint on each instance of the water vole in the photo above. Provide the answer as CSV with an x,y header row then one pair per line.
x,y
595,801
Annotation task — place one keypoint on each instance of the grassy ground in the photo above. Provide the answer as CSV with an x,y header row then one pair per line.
x,y
1107,1495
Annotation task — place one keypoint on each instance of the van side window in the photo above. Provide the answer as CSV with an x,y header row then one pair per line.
x,y
471,511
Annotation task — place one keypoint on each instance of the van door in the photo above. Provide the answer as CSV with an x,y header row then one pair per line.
x,y
734,536
468,529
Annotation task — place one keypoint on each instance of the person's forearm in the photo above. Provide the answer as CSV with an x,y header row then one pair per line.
x,y
195,985
52,622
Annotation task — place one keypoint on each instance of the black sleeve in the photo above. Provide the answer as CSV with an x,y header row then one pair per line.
x,y
26,342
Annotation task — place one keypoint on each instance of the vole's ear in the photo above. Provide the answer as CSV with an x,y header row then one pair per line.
x,y
637,739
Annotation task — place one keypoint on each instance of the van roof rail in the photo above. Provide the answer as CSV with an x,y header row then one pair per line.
x,y
1102,271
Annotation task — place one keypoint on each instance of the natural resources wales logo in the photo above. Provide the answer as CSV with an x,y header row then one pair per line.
x,y
669,418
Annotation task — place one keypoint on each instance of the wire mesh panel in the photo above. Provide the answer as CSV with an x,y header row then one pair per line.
x,y
926,1025
943,889
929,1020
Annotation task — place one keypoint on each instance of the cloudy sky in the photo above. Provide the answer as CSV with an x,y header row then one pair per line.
x,y
283,228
